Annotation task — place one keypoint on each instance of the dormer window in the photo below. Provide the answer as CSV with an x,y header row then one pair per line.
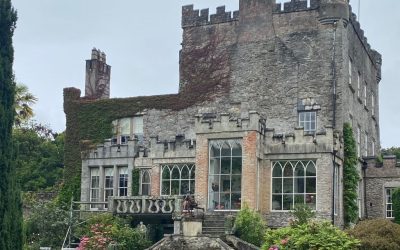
x,y
127,128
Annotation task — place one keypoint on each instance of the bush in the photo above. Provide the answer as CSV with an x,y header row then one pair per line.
x,y
377,234
250,226
302,214
396,205
102,230
312,235
45,226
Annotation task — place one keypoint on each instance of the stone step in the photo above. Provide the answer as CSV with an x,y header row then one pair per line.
x,y
211,230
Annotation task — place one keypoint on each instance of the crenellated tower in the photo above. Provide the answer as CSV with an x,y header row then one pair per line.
x,y
97,83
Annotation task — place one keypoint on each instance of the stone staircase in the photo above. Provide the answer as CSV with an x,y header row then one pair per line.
x,y
214,224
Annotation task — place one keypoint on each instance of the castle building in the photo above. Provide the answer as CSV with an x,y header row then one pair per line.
x,y
258,119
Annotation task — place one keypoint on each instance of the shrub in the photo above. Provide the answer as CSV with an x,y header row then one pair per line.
x,y
102,230
311,235
377,234
46,226
302,214
250,226
396,205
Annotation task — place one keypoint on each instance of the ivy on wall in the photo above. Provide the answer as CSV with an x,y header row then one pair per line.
x,y
350,176
135,181
396,205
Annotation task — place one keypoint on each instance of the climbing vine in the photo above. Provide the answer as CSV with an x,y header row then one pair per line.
x,y
135,182
396,205
350,176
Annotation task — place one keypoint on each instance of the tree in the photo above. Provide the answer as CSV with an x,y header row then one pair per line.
x,y
23,102
40,157
392,151
350,176
10,198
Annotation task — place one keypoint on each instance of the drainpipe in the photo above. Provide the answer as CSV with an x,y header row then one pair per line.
x,y
364,172
333,65
333,187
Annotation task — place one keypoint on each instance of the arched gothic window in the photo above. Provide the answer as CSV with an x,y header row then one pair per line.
x,y
177,179
294,182
145,179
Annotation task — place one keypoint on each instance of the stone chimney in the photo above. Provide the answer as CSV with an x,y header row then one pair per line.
x,y
97,83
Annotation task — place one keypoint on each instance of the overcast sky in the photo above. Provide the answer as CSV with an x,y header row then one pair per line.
x,y
142,40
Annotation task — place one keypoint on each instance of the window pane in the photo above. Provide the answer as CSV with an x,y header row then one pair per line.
x,y
311,201
145,189
287,202
276,202
276,185
311,171
215,167
193,172
125,126
225,200
236,201
138,125
298,185
236,183
192,187
175,173
311,185
175,187
165,188
185,172
288,185
277,172
226,183
214,152
146,177
288,171
225,165
166,173
237,165
226,150
299,170
185,187
236,150
298,199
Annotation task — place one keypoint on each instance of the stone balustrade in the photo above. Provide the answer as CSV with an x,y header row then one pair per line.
x,y
146,205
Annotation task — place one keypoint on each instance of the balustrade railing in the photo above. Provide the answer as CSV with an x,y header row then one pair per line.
x,y
145,205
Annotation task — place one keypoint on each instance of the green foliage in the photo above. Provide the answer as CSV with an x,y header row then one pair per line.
x,y
396,205
135,181
312,235
39,160
391,151
380,234
302,214
350,176
102,230
250,226
10,198
22,105
46,225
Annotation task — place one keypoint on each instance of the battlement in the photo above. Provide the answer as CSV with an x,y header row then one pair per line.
x,y
373,54
192,17
302,142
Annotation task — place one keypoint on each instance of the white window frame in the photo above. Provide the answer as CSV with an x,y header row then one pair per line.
x,y
95,189
142,182
389,202
123,178
216,179
365,94
373,104
134,129
350,71
358,141
293,164
307,119
358,84
170,168
108,190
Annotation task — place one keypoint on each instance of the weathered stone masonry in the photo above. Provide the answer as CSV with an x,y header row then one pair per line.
x,y
246,75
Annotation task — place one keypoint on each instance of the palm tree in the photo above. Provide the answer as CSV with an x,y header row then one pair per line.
x,y
23,102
